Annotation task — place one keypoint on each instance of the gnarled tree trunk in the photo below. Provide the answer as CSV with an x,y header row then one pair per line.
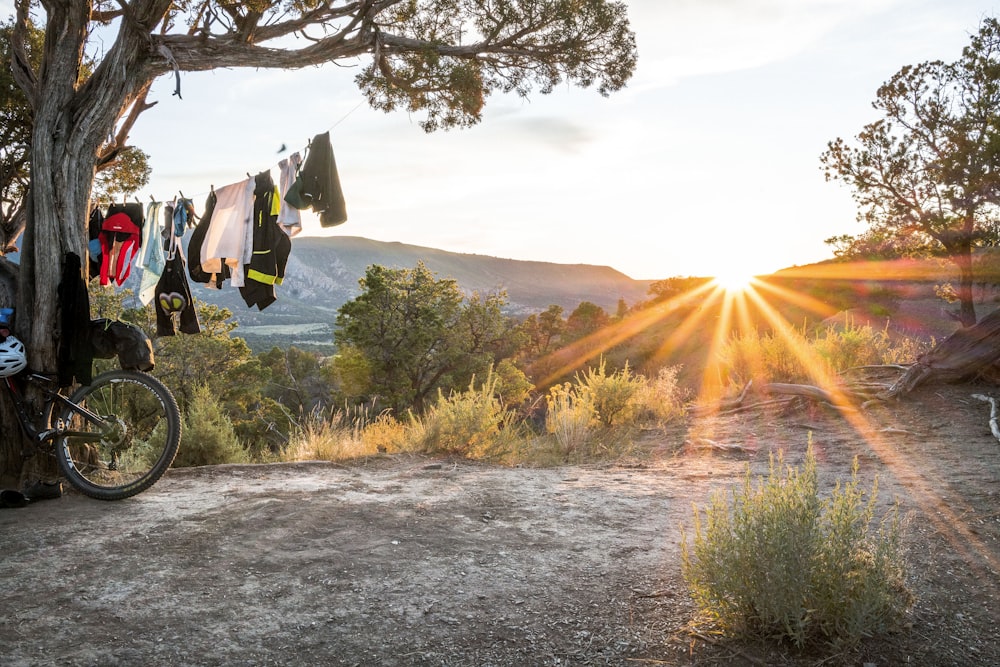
x,y
968,352
70,124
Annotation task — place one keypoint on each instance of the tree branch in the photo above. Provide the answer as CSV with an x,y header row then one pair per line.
x,y
21,68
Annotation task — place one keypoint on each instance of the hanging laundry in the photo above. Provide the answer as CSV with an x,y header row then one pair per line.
x,y
173,297
184,216
173,294
289,218
75,356
270,245
133,210
225,237
120,237
195,245
94,242
151,261
318,184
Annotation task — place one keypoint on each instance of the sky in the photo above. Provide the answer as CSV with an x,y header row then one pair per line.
x,y
708,160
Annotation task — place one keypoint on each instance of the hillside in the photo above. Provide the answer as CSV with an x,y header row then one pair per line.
x,y
323,274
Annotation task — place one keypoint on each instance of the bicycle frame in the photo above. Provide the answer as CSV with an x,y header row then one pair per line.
x,y
23,408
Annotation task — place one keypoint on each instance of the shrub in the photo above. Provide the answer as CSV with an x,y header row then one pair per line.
x,y
613,396
766,357
852,345
207,435
570,417
471,423
789,356
661,399
777,561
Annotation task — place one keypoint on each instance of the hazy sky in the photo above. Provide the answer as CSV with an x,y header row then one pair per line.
x,y
708,159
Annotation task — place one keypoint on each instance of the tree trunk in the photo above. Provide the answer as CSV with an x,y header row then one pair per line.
x,y
65,143
968,352
967,311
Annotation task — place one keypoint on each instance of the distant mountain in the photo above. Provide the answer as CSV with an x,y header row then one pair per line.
x,y
323,273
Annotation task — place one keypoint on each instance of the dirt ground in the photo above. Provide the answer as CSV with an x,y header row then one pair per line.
x,y
404,560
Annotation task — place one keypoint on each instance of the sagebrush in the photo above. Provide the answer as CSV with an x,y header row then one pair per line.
x,y
775,560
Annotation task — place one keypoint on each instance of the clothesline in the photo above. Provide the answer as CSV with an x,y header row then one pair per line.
x,y
304,150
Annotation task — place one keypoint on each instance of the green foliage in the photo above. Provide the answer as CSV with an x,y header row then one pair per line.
x,y
473,423
529,44
587,318
297,379
789,356
613,396
776,560
417,334
924,175
762,357
123,176
207,435
672,288
851,346
513,387
542,331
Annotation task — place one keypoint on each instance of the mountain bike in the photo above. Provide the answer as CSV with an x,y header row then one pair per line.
x,y
112,438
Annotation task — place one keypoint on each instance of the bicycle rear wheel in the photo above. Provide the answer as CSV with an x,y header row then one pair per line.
x,y
130,446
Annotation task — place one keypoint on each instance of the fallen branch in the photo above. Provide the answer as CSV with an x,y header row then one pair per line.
x,y
705,443
994,428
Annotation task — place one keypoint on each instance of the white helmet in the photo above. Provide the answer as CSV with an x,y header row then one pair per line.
x,y
12,359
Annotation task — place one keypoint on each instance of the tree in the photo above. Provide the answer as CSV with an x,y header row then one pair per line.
x,y
417,334
15,137
121,175
930,169
438,58
543,331
585,319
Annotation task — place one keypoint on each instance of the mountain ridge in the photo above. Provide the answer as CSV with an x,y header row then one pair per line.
x,y
323,273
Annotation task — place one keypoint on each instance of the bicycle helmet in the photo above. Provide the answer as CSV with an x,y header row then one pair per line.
x,y
12,359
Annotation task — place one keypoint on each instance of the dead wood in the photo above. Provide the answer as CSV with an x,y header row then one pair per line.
x,y
837,400
994,427
968,352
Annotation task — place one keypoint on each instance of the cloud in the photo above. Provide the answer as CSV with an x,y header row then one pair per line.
x,y
558,133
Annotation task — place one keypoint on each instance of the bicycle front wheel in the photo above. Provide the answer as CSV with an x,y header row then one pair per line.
x,y
121,434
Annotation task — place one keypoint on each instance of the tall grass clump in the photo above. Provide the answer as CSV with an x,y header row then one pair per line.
x,y
853,345
570,417
782,356
207,434
661,399
473,423
778,561
344,434
764,357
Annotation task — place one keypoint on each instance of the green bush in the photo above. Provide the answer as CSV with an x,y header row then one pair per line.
x,y
612,396
207,435
472,423
778,561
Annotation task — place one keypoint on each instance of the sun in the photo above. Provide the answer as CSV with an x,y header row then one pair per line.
x,y
733,280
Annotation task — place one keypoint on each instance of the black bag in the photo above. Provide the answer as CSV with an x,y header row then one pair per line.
x,y
129,342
